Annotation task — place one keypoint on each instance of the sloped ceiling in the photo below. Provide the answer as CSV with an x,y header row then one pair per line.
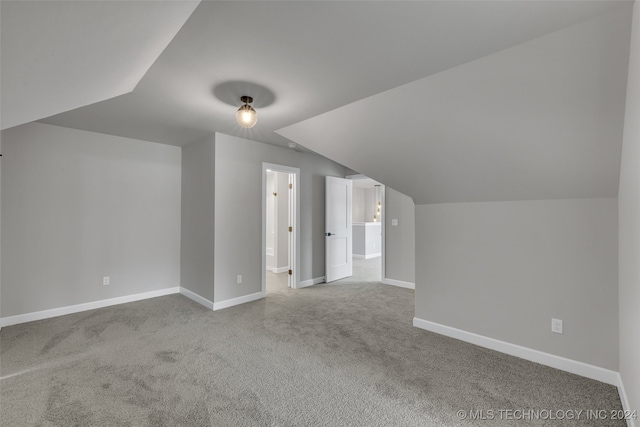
x,y
508,99
302,59
541,120
61,55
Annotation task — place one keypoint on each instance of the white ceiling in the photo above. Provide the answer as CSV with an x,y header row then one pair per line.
x,y
61,55
514,99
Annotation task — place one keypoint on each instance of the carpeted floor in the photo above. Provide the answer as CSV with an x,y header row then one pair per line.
x,y
328,355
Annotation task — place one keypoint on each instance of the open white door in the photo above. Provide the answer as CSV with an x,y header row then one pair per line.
x,y
292,226
338,232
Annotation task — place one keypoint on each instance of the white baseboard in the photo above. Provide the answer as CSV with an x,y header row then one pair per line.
x,y
399,283
625,402
312,282
278,270
70,309
197,298
239,300
579,368
369,256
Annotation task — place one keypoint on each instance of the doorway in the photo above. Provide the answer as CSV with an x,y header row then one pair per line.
x,y
280,219
354,229
368,229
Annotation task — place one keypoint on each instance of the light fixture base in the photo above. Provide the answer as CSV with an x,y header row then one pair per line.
x,y
246,99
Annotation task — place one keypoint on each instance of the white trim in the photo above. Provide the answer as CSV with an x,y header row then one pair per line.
x,y
236,301
294,257
312,282
383,232
278,270
197,298
575,367
399,283
357,177
625,402
70,309
369,256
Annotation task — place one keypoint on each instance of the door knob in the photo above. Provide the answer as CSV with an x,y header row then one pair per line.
x,y
328,234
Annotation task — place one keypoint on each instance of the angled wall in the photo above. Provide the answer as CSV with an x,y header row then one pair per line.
x,y
629,231
400,239
198,193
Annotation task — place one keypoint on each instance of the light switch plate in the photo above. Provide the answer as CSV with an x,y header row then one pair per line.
x,y
394,222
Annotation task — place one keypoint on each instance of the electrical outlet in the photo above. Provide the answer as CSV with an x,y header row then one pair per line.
x,y
105,280
239,279
394,222
556,326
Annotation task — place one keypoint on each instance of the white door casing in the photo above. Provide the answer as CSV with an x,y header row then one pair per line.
x,y
338,228
292,226
294,220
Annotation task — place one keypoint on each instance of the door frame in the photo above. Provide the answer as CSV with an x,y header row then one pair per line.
x,y
294,205
384,233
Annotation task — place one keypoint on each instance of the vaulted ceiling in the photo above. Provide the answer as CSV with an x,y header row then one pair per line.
x,y
61,55
446,101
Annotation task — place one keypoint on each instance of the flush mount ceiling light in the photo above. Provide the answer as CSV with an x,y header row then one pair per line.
x,y
246,115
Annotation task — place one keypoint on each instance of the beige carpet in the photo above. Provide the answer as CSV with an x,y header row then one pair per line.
x,y
328,355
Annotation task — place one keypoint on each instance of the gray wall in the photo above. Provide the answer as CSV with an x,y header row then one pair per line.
x,y
198,189
629,228
271,228
504,269
400,240
238,223
79,206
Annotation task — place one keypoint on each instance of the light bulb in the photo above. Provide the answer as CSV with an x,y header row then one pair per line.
x,y
246,115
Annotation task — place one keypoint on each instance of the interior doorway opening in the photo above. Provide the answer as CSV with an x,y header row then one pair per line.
x,y
280,236
368,215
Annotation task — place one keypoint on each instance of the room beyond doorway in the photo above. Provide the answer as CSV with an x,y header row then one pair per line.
x,y
368,229
280,219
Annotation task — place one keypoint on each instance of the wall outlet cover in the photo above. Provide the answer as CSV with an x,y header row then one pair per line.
x,y
105,280
556,326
